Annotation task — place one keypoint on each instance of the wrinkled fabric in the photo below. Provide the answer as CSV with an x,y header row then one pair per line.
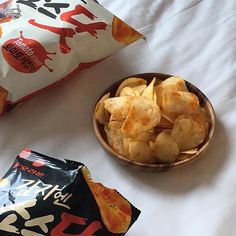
x,y
193,39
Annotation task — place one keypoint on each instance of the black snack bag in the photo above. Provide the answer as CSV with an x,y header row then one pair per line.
x,y
43,196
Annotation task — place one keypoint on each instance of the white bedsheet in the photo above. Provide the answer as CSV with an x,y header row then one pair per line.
x,y
193,39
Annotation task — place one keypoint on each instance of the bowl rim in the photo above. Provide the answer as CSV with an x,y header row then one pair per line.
x,y
155,166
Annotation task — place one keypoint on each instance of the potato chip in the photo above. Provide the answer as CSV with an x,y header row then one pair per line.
x,y
118,107
190,152
130,82
159,95
169,85
144,114
165,123
132,92
187,132
149,91
140,152
139,89
101,114
114,139
165,149
167,116
144,136
127,91
174,83
115,125
126,142
177,103
201,117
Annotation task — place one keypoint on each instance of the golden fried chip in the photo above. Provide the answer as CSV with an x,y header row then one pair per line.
x,y
149,91
134,91
169,85
115,139
201,117
126,142
174,83
118,107
144,114
144,136
127,91
139,89
165,123
187,132
140,152
177,103
115,125
101,114
190,151
130,82
165,149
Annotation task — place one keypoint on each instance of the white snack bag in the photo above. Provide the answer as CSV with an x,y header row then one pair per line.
x,y
45,41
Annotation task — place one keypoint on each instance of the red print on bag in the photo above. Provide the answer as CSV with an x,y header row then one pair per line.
x,y
68,32
68,219
25,55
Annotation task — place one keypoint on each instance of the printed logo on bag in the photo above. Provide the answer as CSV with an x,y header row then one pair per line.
x,y
25,55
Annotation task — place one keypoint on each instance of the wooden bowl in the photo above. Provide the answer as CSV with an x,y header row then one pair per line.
x,y
183,158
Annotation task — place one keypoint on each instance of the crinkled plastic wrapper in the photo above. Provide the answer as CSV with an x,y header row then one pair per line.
x,y
43,42
40,196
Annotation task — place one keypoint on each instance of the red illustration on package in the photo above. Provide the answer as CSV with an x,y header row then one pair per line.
x,y
25,55
43,223
68,219
64,33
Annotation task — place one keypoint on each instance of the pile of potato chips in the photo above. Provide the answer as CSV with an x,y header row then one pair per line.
x,y
153,123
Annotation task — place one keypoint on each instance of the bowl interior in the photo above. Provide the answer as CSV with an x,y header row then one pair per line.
x,y
182,158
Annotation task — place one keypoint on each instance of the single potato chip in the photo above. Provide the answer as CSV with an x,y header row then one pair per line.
x,y
149,91
165,148
169,85
132,92
139,89
140,152
115,125
201,117
144,114
177,103
165,123
127,91
115,139
174,83
143,137
126,142
130,82
101,114
118,107
187,132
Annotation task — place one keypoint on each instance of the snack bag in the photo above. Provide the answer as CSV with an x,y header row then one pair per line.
x,y
43,42
43,196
